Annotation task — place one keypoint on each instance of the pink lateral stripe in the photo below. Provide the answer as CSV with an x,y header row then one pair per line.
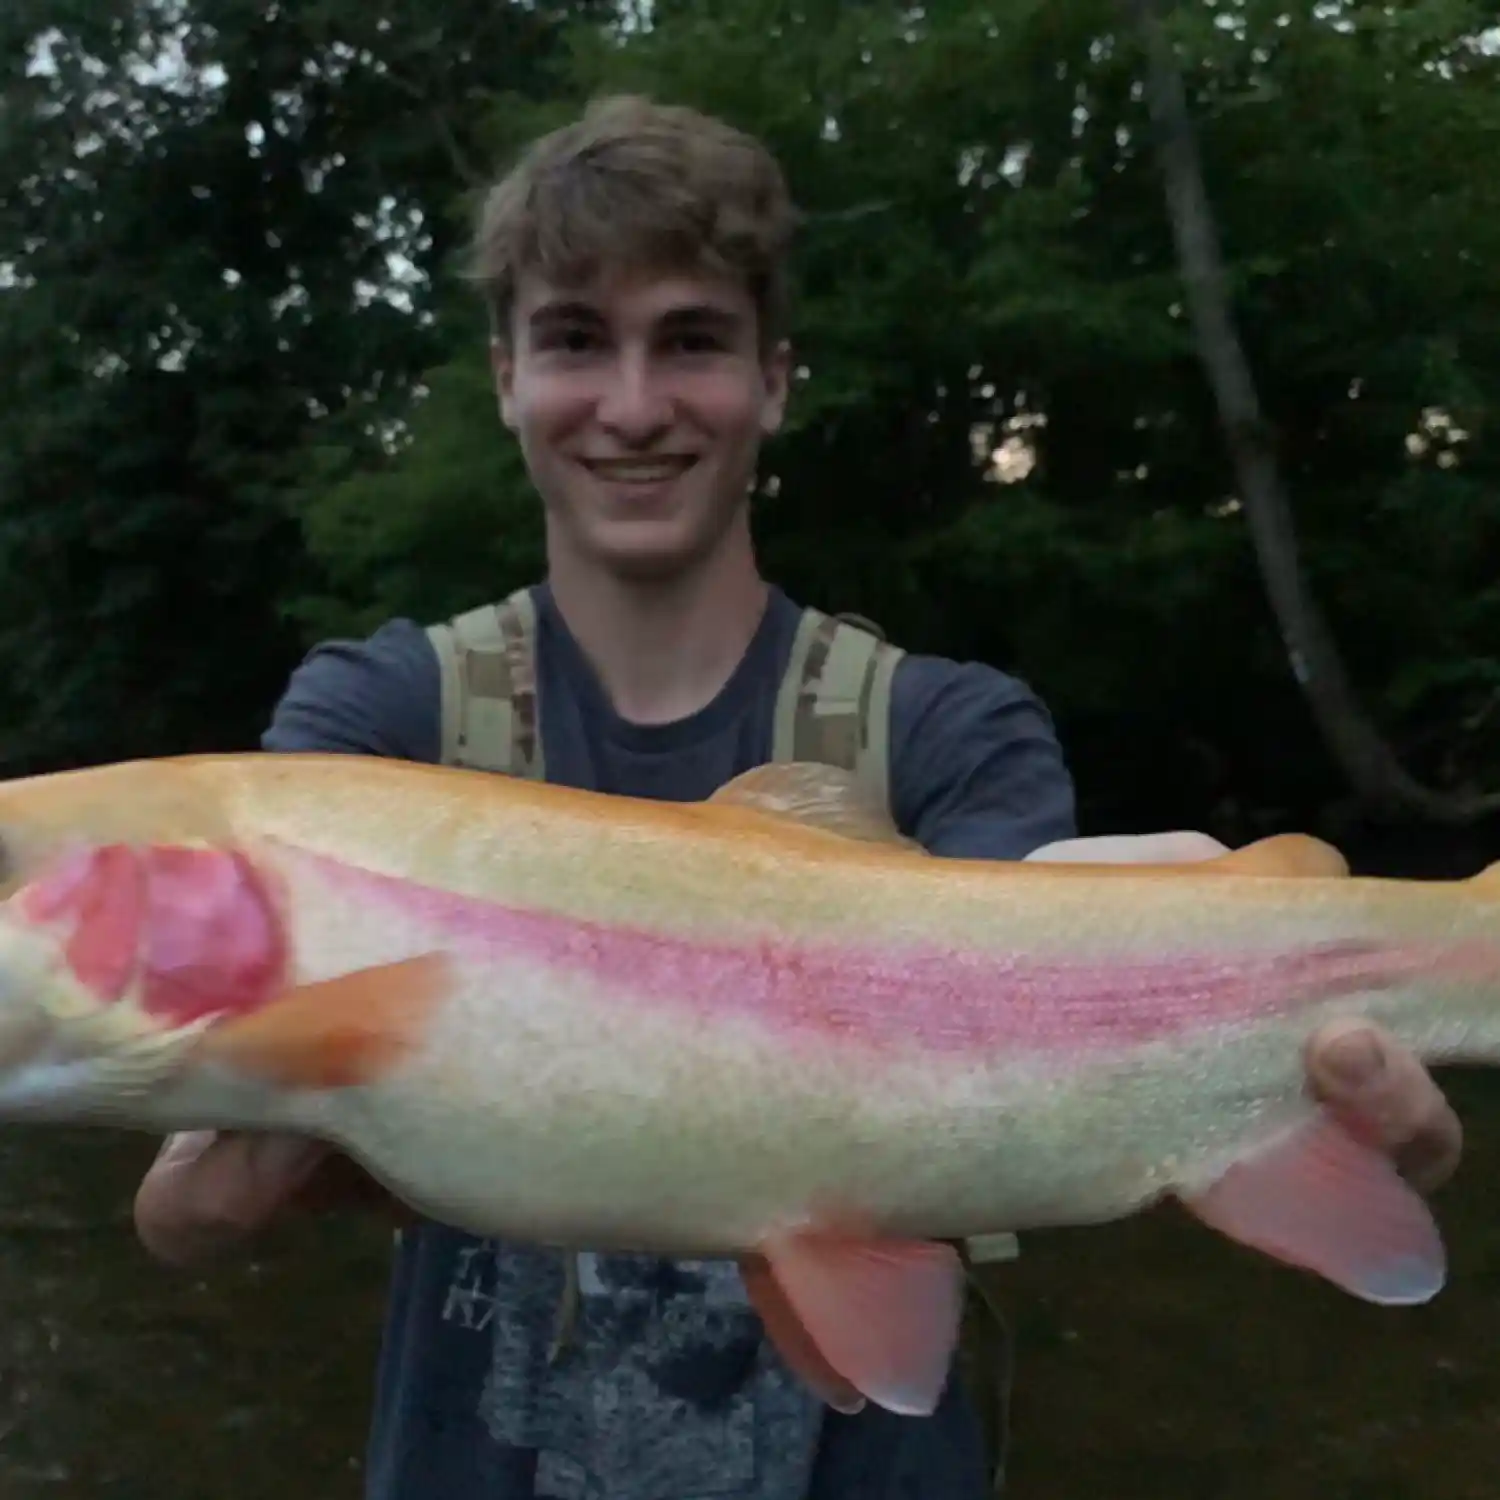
x,y
950,1002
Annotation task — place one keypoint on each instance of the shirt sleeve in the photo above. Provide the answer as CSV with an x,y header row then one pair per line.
x,y
378,696
977,771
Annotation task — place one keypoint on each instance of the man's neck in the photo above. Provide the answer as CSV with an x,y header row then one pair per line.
x,y
663,650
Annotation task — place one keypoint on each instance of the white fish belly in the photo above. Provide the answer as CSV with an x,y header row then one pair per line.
x,y
544,1105
543,1111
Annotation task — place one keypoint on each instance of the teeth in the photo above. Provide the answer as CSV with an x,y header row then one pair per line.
x,y
642,472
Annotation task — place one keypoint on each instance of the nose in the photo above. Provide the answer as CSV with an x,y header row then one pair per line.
x,y
635,407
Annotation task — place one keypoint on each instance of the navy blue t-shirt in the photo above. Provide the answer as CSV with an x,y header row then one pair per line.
x,y
666,1391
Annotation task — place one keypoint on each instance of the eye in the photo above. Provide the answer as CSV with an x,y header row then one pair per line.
x,y
566,339
698,341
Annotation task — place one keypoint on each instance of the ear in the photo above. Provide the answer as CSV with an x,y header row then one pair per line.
x,y
776,369
503,371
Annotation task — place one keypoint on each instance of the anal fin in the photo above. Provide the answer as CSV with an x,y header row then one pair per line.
x,y
1327,1202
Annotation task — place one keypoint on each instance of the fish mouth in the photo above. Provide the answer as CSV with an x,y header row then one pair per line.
x,y
26,1023
62,1072
25,1032
61,1047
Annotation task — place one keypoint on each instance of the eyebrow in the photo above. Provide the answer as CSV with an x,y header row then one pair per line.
x,y
702,315
564,312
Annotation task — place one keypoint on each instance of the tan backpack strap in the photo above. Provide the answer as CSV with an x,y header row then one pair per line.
x,y
444,641
834,706
487,661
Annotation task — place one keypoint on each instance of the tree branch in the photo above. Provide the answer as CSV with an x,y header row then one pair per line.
x,y
1380,783
430,98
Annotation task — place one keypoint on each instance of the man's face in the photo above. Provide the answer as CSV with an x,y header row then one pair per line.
x,y
640,403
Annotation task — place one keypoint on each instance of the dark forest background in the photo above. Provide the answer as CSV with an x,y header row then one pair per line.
x,y
244,404
1151,352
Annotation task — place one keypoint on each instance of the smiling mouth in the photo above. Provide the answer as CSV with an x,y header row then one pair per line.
x,y
639,470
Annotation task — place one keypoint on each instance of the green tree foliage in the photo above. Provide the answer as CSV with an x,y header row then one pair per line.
x,y
986,264
198,208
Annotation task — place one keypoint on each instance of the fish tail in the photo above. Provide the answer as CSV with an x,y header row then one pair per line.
x,y
1459,1021
1435,982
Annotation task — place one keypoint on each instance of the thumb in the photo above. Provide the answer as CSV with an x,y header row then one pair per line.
x,y
183,1149
207,1191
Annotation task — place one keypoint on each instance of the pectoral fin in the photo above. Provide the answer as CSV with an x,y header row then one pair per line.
x,y
338,1032
862,1319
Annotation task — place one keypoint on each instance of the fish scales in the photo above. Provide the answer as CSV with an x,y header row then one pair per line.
x,y
763,1027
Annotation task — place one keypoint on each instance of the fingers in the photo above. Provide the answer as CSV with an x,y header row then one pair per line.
x,y
1385,1092
1175,847
342,1184
1379,1087
206,1191
184,1147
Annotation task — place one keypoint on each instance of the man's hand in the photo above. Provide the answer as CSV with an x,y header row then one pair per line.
x,y
1383,1091
1377,1086
208,1191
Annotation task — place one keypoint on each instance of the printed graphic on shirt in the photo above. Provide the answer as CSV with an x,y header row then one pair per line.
x,y
470,1302
665,1389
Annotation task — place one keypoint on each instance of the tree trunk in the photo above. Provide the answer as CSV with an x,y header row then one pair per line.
x,y
1380,783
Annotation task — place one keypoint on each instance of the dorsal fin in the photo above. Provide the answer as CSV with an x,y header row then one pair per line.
x,y
1282,854
818,796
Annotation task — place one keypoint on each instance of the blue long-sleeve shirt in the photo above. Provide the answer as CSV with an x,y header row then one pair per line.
x,y
668,1390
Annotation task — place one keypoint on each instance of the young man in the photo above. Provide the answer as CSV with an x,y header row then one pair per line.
x,y
634,269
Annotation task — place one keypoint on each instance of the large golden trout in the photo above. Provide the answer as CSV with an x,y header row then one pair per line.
x,y
761,1027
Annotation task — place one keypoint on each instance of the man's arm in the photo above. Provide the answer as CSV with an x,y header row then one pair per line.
x,y
208,1191
378,696
976,768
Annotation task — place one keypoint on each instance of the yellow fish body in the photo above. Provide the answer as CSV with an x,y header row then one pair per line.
x,y
762,1027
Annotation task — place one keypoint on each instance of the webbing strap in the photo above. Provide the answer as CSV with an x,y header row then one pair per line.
x,y
490,712
834,703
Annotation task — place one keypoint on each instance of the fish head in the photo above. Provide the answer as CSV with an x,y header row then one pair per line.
x,y
145,941
26,1016
116,957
